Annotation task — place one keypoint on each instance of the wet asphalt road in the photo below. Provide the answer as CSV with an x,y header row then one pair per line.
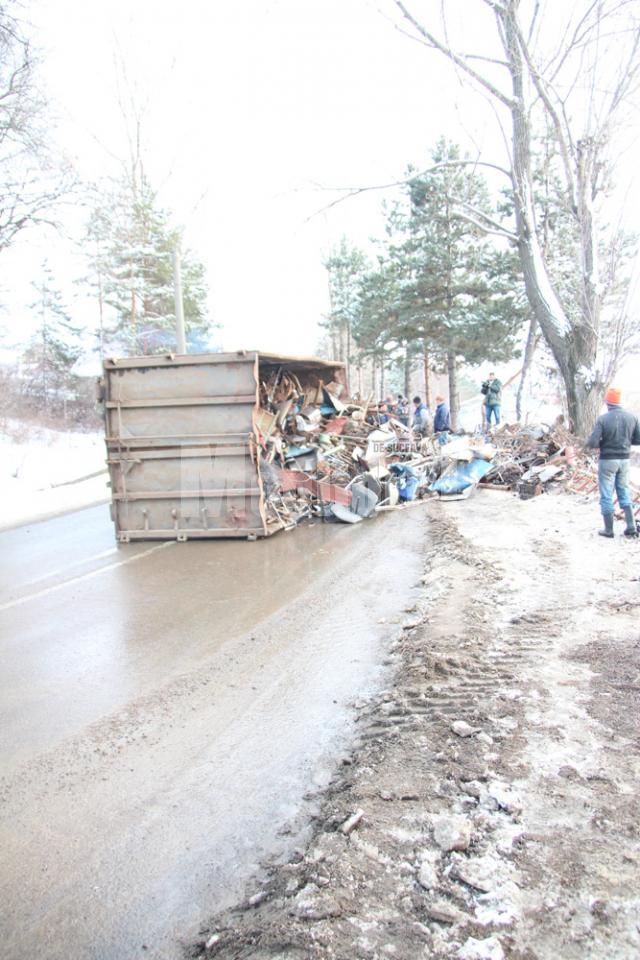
x,y
164,709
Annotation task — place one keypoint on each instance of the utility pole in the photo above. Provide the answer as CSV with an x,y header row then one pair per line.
x,y
181,344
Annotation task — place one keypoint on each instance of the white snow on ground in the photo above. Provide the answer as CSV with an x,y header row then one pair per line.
x,y
34,460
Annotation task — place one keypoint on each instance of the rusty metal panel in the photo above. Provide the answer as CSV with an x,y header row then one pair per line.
x,y
181,446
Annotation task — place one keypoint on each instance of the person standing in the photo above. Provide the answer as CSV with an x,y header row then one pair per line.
x,y
420,422
441,419
492,390
382,415
613,435
402,410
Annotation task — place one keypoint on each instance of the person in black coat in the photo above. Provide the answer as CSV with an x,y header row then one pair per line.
x,y
613,435
442,417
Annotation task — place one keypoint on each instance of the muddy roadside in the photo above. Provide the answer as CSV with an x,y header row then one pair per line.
x,y
488,808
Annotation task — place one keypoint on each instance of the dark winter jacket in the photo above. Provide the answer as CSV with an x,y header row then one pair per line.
x,y
420,417
614,433
441,420
493,395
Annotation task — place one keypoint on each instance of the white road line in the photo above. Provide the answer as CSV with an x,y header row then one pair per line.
x,y
83,576
68,566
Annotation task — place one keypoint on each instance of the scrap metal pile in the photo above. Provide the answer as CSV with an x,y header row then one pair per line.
x,y
326,457
527,460
322,455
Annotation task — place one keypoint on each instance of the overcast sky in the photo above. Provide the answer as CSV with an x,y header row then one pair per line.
x,y
251,109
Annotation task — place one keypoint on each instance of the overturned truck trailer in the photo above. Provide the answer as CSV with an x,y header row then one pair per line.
x,y
184,438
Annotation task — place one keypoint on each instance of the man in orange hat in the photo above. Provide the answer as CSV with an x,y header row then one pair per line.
x,y
614,434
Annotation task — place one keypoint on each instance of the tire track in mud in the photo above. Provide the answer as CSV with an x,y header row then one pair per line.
x,y
474,651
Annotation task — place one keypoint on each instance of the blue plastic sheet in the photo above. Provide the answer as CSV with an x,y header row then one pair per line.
x,y
458,477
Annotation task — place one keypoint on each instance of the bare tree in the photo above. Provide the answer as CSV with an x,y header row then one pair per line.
x,y
32,178
575,73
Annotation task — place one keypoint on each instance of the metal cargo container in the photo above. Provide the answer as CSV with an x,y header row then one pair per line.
x,y
183,444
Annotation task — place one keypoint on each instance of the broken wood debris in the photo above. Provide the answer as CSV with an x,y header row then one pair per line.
x,y
323,456
531,459
354,820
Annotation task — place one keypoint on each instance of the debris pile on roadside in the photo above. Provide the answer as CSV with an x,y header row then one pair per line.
x,y
326,457
527,460
530,459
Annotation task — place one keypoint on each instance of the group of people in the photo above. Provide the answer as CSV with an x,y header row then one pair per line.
x,y
421,420
439,423
425,424
389,407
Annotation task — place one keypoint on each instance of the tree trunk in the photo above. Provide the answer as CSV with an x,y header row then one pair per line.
x,y
382,384
407,372
101,316
427,384
574,348
45,389
533,337
134,331
454,396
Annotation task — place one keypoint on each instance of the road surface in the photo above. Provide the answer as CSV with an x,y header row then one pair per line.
x,y
164,710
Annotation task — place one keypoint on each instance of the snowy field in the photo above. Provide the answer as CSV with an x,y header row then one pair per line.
x,y
36,467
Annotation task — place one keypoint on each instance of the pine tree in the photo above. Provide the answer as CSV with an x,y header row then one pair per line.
x,y
378,330
129,245
460,293
51,352
345,266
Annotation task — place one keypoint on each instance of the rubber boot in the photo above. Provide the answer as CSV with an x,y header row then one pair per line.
x,y
632,527
608,526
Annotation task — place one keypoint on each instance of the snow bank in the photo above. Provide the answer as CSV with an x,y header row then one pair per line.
x,y
36,465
